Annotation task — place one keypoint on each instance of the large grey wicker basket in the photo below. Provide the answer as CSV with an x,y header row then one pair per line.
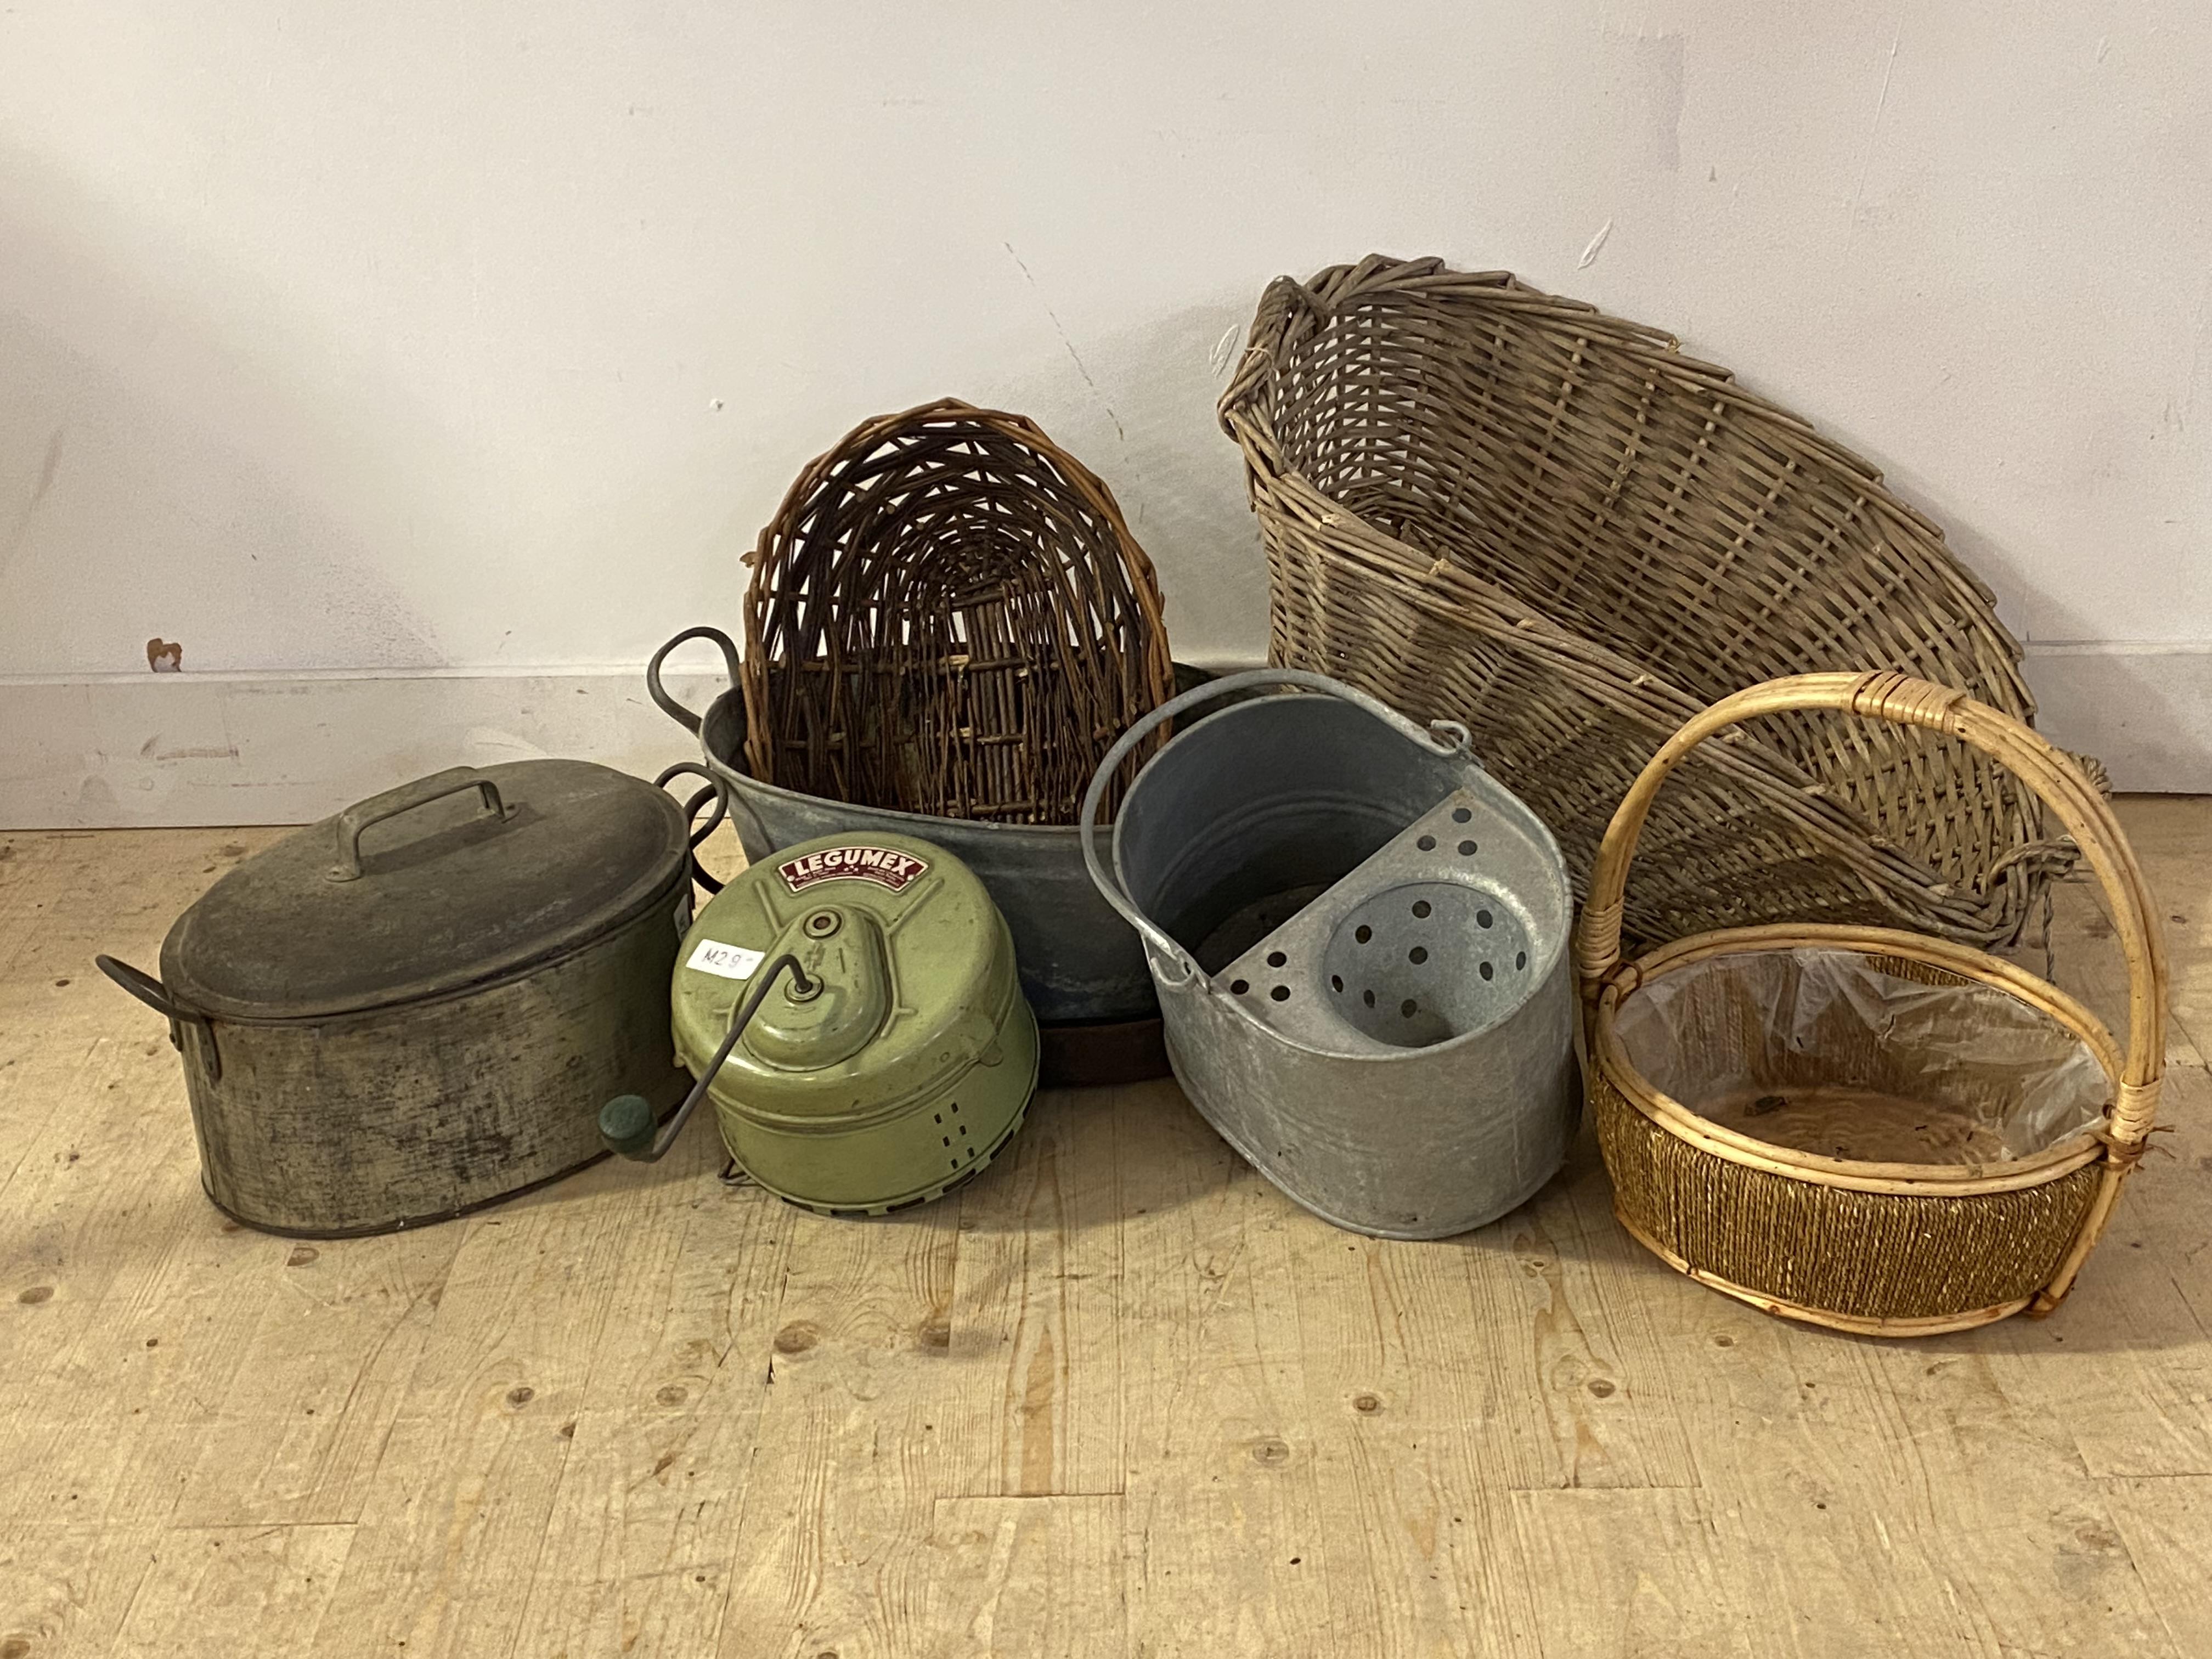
x,y
1485,503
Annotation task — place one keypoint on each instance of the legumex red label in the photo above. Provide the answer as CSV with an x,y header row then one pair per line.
x,y
886,867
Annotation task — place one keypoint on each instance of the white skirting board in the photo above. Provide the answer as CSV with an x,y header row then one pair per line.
x,y
2144,710
170,749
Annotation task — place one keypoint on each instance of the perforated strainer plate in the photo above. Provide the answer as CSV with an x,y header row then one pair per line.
x,y
1418,945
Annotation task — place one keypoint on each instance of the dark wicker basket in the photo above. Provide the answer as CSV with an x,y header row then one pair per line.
x,y
1485,503
948,615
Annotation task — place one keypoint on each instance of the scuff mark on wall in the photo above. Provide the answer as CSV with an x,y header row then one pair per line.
x,y
1072,356
1644,80
206,751
165,656
1222,357
1597,242
1874,127
22,524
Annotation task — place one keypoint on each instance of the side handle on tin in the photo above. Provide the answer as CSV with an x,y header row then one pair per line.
x,y
144,986
405,799
667,704
155,995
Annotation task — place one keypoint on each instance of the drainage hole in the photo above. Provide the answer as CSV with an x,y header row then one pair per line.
x,y
1466,849
1460,815
955,1108
1417,955
1276,958
1409,1008
963,1127
1336,983
1483,918
1421,908
1281,993
1240,986
1364,933
948,1140
1427,843
1484,970
1520,959
1368,997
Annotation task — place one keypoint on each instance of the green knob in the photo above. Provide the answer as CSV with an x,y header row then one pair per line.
x,y
626,1124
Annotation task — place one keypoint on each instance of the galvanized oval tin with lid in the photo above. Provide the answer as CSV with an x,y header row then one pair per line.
x,y
414,1008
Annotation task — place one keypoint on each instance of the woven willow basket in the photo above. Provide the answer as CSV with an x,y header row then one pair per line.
x,y
1487,504
948,615
1888,1249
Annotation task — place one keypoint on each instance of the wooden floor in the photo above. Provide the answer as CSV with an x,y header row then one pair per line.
x,y
1119,1396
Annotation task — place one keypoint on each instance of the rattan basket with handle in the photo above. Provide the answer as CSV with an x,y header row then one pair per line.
x,y
948,615
1488,504
1890,1248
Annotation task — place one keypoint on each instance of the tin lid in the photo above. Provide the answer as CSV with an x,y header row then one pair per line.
x,y
429,889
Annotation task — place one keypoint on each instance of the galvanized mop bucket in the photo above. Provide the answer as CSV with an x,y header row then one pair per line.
x,y
1359,943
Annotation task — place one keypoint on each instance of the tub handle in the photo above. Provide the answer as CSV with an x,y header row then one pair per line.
x,y
1446,738
667,704
696,833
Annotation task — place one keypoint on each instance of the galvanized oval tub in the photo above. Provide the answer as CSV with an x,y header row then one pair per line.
x,y
1359,942
1080,964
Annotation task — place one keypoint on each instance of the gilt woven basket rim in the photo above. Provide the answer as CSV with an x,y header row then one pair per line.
x,y
2061,1157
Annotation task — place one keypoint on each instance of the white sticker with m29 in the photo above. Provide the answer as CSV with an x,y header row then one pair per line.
x,y
730,961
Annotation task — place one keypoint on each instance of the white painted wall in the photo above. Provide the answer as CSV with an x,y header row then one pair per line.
x,y
405,339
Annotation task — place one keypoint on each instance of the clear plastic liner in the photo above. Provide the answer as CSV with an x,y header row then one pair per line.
x,y
1842,1053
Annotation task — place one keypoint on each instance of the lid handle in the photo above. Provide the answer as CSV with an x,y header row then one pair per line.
x,y
405,799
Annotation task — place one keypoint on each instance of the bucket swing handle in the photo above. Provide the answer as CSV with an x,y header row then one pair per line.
x,y
667,703
1887,694
1447,738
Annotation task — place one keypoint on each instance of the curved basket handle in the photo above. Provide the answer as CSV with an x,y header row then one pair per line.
x,y
1899,698
1453,741
667,704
